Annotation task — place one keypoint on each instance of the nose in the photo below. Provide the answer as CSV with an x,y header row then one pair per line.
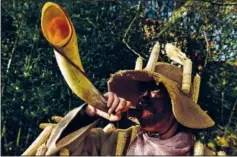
x,y
145,94
144,98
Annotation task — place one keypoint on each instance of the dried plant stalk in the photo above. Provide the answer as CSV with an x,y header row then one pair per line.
x,y
44,125
198,148
138,63
56,118
41,150
64,152
187,71
109,127
153,58
42,138
196,88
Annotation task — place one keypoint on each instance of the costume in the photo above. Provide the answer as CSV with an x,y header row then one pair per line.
x,y
96,141
129,141
77,132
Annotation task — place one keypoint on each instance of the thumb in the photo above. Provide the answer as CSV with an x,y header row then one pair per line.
x,y
110,117
91,111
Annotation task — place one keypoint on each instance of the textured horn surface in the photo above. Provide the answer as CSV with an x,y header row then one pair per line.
x,y
58,29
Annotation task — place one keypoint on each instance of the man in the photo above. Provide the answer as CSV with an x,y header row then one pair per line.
x,y
154,97
156,121
155,114
157,97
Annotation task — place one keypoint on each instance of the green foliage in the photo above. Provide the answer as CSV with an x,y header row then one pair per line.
x,y
33,88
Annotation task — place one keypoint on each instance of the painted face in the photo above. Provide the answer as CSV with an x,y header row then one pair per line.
x,y
154,104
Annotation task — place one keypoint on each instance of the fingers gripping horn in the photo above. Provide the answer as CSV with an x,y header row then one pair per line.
x,y
58,30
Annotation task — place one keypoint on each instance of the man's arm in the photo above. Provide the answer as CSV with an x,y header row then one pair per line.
x,y
75,126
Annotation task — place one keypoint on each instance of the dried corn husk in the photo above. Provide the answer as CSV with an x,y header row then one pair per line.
x,y
174,53
109,127
221,153
42,138
209,152
41,150
178,56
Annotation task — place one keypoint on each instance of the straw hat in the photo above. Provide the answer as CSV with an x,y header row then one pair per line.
x,y
186,111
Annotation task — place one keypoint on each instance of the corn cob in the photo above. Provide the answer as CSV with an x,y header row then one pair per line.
x,y
196,88
56,118
153,57
64,152
175,54
187,72
44,125
198,148
42,138
138,63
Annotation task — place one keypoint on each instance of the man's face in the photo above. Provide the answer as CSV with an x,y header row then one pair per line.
x,y
154,102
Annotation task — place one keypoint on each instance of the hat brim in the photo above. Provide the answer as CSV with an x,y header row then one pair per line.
x,y
187,113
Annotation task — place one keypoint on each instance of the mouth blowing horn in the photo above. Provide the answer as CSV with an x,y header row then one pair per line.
x,y
58,30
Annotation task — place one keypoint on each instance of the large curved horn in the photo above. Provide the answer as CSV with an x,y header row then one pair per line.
x,y
58,29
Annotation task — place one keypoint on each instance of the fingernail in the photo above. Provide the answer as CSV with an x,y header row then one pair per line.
x,y
109,111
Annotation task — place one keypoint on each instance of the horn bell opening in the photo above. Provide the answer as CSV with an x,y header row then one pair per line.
x,y
55,24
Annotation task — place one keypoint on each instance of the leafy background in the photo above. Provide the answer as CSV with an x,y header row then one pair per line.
x,y
110,35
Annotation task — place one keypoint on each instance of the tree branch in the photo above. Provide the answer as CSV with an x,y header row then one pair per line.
x,y
207,49
232,113
126,32
223,3
13,50
176,15
125,35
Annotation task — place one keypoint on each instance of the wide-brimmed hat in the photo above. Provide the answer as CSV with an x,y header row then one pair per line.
x,y
186,111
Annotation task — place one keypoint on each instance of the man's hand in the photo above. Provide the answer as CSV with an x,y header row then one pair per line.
x,y
115,104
